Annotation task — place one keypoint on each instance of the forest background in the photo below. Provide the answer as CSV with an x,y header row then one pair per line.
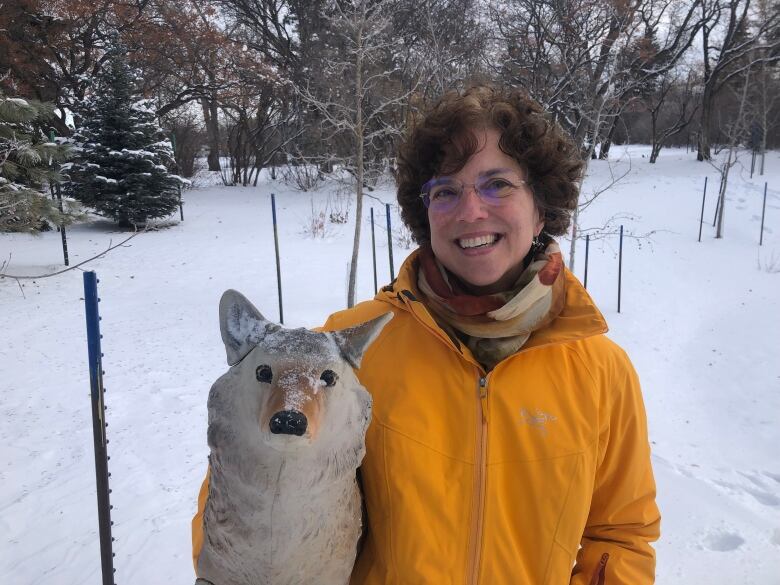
x,y
305,87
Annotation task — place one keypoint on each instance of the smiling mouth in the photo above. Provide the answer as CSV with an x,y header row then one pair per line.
x,y
478,242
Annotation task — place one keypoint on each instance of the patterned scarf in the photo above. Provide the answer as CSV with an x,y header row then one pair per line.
x,y
497,325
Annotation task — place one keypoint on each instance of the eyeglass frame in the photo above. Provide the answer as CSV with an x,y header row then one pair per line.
x,y
497,200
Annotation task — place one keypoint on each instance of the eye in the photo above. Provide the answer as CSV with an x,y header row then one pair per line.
x,y
443,193
496,186
264,374
329,377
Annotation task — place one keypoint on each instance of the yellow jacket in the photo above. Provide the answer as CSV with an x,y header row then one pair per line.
x,y
506,477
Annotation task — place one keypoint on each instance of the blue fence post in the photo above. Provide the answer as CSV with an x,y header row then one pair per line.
x,y
620,267
99,425
587,249
278,265
390,242
373,249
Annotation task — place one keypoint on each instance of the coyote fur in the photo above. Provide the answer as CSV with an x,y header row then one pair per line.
x,y
286,432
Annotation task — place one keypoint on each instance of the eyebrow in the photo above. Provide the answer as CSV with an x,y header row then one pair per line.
x,y
488,173
495,172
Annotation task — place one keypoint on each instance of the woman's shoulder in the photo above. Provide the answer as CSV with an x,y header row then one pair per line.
x,y
358,314
602,356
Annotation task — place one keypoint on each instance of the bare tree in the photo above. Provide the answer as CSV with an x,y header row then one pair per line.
x,y
259,126
733,41
737,132
580,60
671,108
54,48
360,111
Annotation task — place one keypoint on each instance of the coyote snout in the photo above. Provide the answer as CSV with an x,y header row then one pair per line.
x,y
289,422
286,432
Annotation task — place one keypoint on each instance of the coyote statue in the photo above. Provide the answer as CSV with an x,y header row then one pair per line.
x,y
286,431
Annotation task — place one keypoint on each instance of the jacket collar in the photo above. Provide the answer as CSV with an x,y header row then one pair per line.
x,y
580,318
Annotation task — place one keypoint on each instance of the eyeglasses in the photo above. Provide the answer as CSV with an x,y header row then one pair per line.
x,y
442,194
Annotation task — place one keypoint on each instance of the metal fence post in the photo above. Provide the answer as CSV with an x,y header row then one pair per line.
x,y
278,265
373,249
99,425
390,242
620,267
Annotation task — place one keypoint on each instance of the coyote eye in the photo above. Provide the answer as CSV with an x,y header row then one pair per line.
x,y
264,374
329,377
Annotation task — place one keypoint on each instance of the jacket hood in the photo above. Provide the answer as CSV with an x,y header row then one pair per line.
x,y
580,318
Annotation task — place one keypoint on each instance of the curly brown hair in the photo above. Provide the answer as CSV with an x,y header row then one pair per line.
x,y
442,140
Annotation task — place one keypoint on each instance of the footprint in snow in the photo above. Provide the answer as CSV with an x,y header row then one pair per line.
x,y
723,541
761,489
775,476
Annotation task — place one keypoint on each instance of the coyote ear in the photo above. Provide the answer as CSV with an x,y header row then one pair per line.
x,y
242,325
354,341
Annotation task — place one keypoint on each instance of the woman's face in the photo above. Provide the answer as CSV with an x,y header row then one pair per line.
x,y
483,243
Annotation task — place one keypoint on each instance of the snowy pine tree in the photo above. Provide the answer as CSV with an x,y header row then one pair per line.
x,y
122,156
28,165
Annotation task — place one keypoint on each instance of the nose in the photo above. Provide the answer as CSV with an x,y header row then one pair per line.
x,y
471,207
288,422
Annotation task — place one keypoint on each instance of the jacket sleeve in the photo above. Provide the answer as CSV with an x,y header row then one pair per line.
x,y
197,521
623,518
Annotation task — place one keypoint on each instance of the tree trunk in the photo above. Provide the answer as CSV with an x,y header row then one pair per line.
x,y
211,118
704,129
604,151
654,132
359,157
574,229
655,151
722,196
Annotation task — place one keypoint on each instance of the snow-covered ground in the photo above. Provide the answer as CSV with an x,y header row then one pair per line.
x,y
701,322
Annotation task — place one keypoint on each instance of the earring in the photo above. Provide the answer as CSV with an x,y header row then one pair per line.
x,y
537,245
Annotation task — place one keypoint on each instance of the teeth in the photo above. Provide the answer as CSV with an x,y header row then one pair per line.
x,y
477,242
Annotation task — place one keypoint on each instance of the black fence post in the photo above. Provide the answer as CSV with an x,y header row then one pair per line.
x,y
99,425
390,242
181,207
703,198
61,227
173,146
278,265
763,213
587,249
373,249
620,266
63,234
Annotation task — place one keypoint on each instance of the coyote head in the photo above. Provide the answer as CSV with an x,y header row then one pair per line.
x,y
288,388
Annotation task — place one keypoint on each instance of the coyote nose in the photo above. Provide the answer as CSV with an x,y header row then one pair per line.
x,y
288,422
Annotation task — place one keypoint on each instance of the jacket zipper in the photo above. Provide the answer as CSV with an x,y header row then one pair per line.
x,y
480,477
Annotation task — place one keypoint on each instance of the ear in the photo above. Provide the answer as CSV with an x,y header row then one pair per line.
x,y
354,341
242,325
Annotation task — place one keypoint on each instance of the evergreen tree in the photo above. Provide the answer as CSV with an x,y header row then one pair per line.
x,y
28,165
121,154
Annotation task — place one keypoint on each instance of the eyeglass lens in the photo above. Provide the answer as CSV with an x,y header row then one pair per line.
x,y
443,194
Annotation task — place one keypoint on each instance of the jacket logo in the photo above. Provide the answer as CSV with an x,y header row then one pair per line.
x,y
537,419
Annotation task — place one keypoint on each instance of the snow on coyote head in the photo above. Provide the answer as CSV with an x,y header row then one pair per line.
x,y
288,388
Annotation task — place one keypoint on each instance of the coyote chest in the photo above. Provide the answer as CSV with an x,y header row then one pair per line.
x,y
286,433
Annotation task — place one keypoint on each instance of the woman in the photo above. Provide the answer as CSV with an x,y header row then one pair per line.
x,y
508,442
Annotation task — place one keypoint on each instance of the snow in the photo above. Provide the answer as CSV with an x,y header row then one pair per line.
x,y
701,322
